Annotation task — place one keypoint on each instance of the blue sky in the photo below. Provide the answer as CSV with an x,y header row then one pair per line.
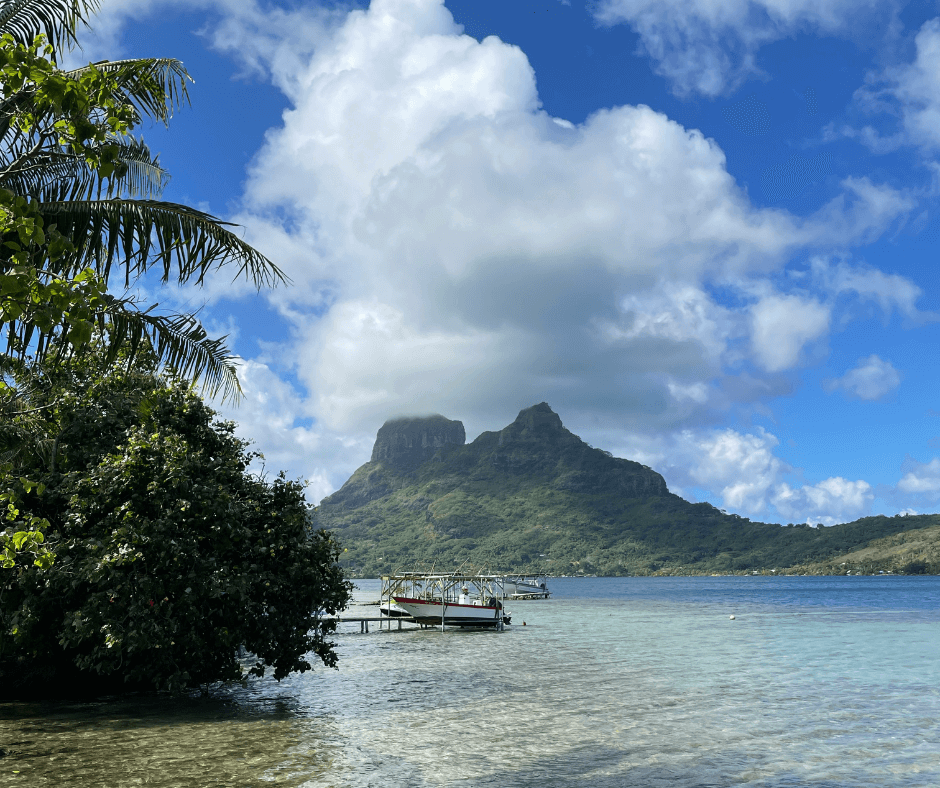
x,y
703,231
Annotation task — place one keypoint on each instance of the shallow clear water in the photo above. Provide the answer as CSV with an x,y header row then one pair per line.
x,y
613,682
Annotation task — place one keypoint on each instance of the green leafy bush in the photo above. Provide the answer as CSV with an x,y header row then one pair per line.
x,y
170,557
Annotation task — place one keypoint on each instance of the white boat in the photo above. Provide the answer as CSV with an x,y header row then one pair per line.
x,y
475,614
392,610
525,587
446,600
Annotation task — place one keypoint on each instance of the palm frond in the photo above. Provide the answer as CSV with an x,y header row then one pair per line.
x,y
54,175
136,235
57,19
49,175
153,86
142,234
144,178
180,343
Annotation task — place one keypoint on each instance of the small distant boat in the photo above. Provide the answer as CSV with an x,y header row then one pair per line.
x,y
392,610
445,600
525,587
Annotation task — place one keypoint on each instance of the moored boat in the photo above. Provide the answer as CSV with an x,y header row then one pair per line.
x,y
433,611
525,587
446,600
392,610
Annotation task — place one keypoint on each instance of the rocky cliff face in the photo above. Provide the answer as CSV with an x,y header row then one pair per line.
x,y
536,445
538,420
538,442
404,444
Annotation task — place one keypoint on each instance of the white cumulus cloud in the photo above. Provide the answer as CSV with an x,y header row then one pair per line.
x,y
834,500
783,325
422,183
892,292
274,419
463,247
453,248
871,379
746,476
740,467
922,479
710,46
449,241
910,91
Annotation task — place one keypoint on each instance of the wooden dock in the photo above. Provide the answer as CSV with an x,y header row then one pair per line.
x,y
364,621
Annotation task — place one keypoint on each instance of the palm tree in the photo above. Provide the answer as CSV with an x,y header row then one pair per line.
x,y
102,196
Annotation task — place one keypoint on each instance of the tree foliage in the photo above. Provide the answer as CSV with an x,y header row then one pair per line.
x,y
56,19
170,556
80,204
80,213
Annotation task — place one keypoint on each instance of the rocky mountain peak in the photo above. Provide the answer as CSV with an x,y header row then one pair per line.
x,y
538,418
406,443
539,429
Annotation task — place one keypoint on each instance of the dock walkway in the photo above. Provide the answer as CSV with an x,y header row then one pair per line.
x,y
364,621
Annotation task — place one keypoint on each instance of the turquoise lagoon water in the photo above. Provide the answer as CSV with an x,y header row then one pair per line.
x,y
824,682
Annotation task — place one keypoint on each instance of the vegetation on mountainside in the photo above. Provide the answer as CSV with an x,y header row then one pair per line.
x,y
910,552
535,498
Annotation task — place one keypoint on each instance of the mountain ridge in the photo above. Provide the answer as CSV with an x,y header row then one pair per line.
x,y
534,497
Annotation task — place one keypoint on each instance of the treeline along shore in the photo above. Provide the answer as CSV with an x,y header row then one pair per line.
x,y
534,498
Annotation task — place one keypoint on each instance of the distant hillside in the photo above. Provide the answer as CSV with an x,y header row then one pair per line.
x,y
909,552
534,497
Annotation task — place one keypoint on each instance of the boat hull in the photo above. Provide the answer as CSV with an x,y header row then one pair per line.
x,y
525,588
428,611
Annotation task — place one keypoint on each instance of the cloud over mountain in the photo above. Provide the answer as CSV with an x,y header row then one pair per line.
x,y
454,248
